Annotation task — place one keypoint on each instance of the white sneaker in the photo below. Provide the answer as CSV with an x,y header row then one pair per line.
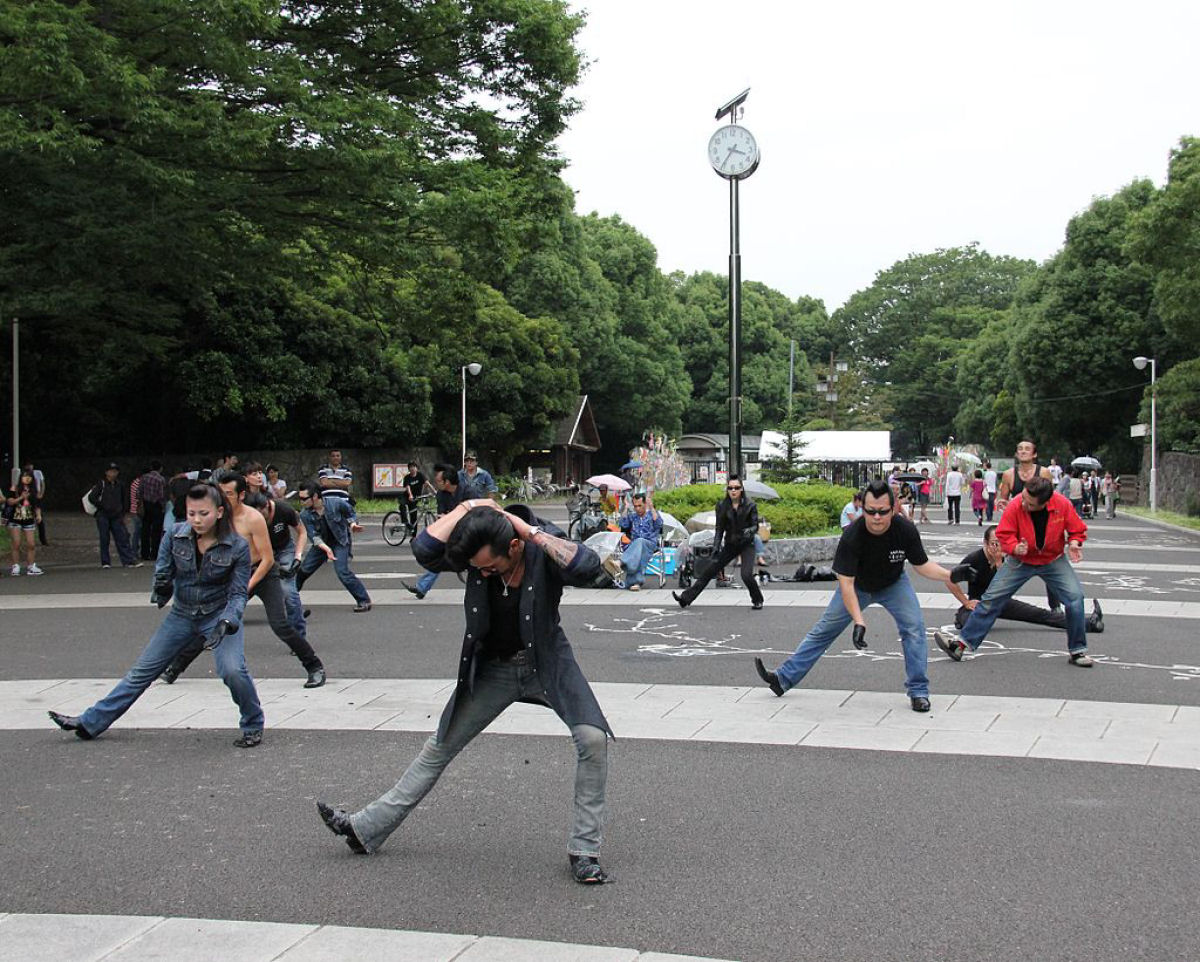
x,y
34,570
16,571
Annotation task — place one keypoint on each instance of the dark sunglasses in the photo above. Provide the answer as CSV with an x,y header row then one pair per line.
x,y
733,487
877,512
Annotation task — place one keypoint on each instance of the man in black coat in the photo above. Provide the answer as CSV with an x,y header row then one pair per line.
x,y
514,649
737,524
111,498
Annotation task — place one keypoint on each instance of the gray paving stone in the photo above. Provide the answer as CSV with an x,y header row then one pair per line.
x,y
204,940
334,943
68,938
522,950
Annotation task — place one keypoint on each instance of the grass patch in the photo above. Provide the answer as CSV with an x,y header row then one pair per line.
x,y
1183,520
5,542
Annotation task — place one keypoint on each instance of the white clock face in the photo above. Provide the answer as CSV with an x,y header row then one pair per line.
x,y
732,151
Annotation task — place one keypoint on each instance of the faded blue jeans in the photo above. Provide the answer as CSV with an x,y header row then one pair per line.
x,y
172,636
314,557
900,601
1062,584
637,554
497,685
114,527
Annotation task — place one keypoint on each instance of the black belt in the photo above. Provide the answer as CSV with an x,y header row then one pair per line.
x,y
520,658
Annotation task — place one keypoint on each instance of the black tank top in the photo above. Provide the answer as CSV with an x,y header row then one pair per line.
x,y
1018,484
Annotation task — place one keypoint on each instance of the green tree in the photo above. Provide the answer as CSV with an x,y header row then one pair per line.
x,y
1178,406
1165,235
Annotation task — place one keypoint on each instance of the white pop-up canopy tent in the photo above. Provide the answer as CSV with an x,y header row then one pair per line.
x,y
843,457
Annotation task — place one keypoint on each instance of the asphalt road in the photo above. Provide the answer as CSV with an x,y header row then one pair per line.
x,y
733,851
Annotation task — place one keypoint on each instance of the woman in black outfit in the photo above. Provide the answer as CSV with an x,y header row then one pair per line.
x,y
737,524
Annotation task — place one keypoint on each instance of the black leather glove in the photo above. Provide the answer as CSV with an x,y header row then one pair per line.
x,y
963,573
161,593
859,637
219,631
289,570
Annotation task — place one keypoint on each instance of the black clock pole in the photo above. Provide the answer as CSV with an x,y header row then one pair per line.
x,y
735,334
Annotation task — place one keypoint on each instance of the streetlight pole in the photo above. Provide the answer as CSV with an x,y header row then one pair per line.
x,y
474,368
1140,363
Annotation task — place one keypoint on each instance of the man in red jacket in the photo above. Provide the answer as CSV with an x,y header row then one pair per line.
x,y
1034,531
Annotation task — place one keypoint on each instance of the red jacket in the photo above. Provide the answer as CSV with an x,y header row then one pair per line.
x,y
1062,526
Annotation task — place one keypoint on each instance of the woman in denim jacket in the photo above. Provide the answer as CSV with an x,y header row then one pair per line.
x,y
206,565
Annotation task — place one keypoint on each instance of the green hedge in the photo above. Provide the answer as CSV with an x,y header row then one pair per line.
x,y
801,511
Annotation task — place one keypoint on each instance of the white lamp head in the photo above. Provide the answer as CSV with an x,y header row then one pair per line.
x,y
475,368
1140,362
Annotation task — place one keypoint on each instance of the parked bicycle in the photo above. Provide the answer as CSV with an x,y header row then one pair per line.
x,y
398,528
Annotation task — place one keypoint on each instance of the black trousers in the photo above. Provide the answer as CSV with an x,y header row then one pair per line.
x,y
152,530
953,504
270,590
1014,610
706,571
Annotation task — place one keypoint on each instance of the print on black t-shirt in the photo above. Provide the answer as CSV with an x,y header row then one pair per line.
x,y
877,561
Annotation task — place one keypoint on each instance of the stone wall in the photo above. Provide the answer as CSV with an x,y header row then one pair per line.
x,y
1178,481
67,479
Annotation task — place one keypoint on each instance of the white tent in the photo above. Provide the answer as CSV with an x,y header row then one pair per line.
x,y
823,446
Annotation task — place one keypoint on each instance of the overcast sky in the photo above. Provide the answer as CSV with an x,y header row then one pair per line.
x,y
885,128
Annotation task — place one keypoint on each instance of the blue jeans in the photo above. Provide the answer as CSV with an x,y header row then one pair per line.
x,y
172,636
425,582
314,557
294,606
637,554
1062,584
497,685
115,527
901,603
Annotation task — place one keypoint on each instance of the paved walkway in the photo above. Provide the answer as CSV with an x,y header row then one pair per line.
x,y
1166,736
577,597
126,938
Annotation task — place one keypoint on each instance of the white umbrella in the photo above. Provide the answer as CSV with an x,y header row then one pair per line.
x,y
760,491
927,465
701,521
673,529
1086,461
966,456
610,480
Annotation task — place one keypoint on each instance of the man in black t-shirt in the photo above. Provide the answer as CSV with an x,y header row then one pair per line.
x,y
449,495
414,486
984,562
283,521
869,565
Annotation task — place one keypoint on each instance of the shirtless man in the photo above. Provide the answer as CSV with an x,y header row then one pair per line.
x,y
1013,481
264,582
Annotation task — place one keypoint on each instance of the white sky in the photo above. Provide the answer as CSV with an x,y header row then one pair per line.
x,y
886,128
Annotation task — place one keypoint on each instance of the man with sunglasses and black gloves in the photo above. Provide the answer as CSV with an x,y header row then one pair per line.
x,y
869,565
514,649
737,524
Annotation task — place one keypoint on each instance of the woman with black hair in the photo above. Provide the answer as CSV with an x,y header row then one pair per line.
x,y
737,524
205,565
23,511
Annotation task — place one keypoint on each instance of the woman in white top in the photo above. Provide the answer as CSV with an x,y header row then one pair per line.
x,y
276,487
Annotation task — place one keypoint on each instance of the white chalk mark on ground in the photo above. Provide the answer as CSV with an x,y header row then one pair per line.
x,y
675,641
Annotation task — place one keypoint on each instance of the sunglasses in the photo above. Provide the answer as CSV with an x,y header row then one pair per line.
x,y
877,512
734,487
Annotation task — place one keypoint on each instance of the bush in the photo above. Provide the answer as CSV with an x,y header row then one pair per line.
x,y
801,511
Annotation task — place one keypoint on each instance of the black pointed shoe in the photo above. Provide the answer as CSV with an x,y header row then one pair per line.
x,y
586,870
769,677
70,723
1095,623
316,678
920,703
338,822
679,599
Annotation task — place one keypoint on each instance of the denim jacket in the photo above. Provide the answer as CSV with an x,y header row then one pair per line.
x,y
337,528
219,585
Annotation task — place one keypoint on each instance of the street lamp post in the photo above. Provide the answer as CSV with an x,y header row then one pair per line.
x,y
474,368
1140,363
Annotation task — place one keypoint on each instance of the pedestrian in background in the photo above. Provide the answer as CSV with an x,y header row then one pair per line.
x,y
954,490
23,511
111,499
153,493
978,496
990,485
1111,486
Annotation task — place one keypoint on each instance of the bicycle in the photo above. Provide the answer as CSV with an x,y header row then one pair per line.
x,y
397,530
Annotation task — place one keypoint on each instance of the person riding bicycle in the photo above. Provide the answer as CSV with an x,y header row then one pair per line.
x,y
414,486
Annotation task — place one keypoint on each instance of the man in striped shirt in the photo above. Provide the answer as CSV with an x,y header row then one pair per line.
x,y
334,480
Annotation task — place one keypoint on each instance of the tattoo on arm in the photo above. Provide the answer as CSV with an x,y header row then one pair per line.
x,y
562,552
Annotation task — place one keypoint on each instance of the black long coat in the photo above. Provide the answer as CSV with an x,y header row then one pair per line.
x,y
564,687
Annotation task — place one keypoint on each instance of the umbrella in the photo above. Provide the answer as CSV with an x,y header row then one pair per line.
x,y
630,465
702,521
756,489
1087,461
928,465
966,456
605,542
911,476
611,480
673,529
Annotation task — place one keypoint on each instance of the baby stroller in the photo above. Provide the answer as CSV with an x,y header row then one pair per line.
x,y
697,550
